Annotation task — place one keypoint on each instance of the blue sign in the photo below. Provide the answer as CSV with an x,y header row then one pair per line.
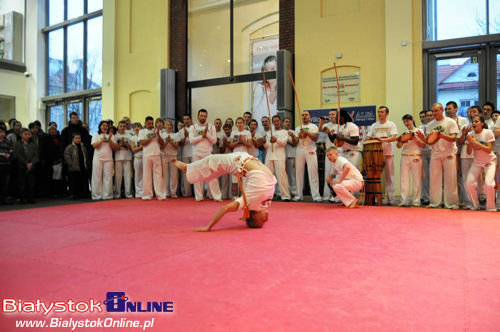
x,y
362,115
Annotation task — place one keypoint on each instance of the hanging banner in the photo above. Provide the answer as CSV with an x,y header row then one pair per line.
x,y
350,89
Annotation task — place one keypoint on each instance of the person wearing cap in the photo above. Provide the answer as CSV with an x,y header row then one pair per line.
x,y
257,191
386,132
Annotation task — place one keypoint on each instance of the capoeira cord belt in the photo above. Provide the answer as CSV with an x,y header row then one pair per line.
x,y
241,171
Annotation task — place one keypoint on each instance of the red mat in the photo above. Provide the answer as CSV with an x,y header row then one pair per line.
x,y
313,267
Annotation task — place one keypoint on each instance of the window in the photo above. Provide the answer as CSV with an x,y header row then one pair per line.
x,y
74,59
232,51
461,44
448,19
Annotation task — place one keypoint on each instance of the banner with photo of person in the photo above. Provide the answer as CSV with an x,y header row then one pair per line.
x,y
264,56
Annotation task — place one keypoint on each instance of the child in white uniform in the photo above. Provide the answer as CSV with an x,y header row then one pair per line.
x,y
123,161
137,150
102,163
481,141
411,162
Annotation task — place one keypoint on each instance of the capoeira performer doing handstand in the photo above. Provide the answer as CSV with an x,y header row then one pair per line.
x,y
257,192
350,180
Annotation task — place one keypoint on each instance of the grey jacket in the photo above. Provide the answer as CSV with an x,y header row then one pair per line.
x,y
71,157
26,153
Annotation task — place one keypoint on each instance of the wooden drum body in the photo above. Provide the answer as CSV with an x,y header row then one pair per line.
x,y
373,166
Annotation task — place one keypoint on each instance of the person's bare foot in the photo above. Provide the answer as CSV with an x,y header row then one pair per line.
x,y
353,204
180,165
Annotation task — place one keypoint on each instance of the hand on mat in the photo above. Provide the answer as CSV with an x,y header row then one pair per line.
x,y
201,229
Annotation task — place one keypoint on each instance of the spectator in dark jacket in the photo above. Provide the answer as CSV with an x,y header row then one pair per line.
x,y
54,158
77,160
27,158
5,161
75,126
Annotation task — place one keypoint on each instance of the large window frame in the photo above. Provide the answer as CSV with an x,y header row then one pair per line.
x,y
84,95
231,79
485,46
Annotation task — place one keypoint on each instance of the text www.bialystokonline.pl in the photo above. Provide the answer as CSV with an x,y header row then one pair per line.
x,y
74,324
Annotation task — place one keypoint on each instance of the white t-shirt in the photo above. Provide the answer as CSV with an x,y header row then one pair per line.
x,y
306,145
480,156
137,142
387,129
104,151
442,147
187,148
169,149
463,148
411,147
124,153
276,151
338,168
220,135
235,134
333,130
202,146
496,146
153,148
349,130
290,149
221,144
490,123
427,148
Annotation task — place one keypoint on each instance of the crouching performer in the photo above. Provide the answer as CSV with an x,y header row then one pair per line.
x,y
257,191
349,178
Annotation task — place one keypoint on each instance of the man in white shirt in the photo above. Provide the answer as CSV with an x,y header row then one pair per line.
x,y
290,156
488,109
425,117
276,156
330,129
386,132
305,137
202,137
187,153
151,141
219,133
451,110
443,159
262,136
350,179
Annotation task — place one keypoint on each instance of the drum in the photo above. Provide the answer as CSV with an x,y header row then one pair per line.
x,y
373,157
373,165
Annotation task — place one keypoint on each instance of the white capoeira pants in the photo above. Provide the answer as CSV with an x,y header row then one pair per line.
x,y
138,173
312,169
390,186
186,190
171,174
489,184
449,165
291,172
213,185
465,164
152,175
411,165
102,179
344,189
226,187
426,158
123,170
278,168
328,171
